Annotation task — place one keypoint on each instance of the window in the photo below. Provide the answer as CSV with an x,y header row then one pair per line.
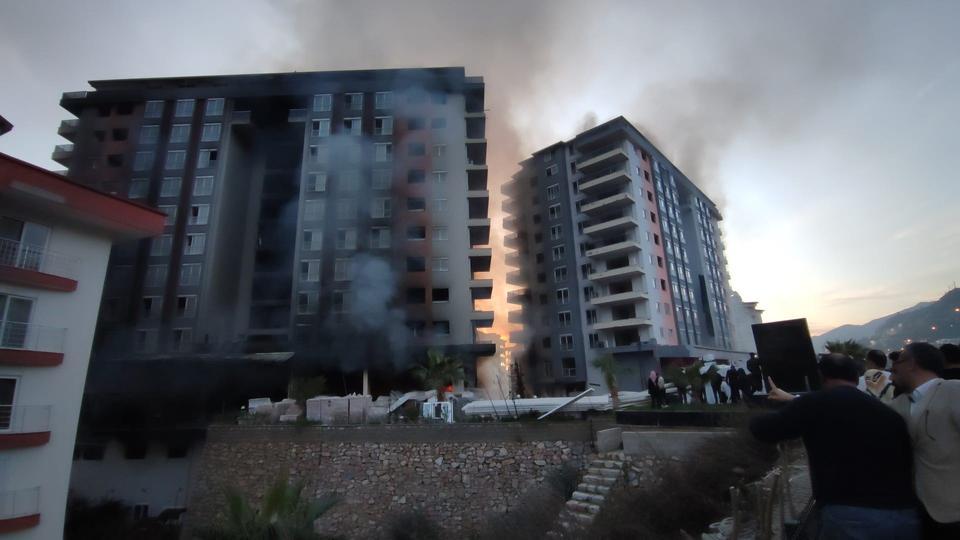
x,y
194,244
313,209
663,284
310,270
553,192
381,179
138,188
149,134
170,211
156,275
438,123
170,186
150,307
146,340
441,328
545,343
553,170
206,158
439,150
441,264
556,232
14,318
346,239
186,306
322,102
414,124
317,182
119,134
383,125
383,152
346,209
160,246
416,328
660,261
539,258
190,275
383,100
566,342
416,232
439,177
307,303
595,342
416,149
184,107
416,204
558,253
563,296
440,205
379,238
354,101
560,274
416,176
441,295
656,239
416,264
554,211
180,133
591,316
211,133
320,128
203,186
439,234
342,269
313,239
143,161
339,301
416,295
589,292
352,126
547,368
380,208
214,107
564,318
153,109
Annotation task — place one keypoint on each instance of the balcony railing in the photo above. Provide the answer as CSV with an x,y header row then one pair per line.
x,y
24,419
19,503
31,337
38,259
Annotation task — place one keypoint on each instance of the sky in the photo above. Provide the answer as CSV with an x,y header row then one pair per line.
x,y
826,131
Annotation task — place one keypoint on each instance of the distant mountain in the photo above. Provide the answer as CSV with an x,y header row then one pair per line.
x,y
926,321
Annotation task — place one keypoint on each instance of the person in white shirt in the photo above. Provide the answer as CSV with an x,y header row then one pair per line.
x,y
876,379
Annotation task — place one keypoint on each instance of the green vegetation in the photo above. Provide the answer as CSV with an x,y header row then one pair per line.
x,y
437,371
609,368
849,347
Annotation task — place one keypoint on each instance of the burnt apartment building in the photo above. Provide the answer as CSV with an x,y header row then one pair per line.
x,y
329,213
617,252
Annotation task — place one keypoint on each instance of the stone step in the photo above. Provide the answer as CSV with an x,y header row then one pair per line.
x,y
586,487
583,507
606,464
599,480
602,471
584,496
578,518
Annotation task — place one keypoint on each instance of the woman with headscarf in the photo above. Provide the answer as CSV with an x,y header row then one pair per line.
x,y
654,390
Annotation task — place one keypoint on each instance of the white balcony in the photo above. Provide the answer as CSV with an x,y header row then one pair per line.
x,y
37,259
62,153
17,419
19,504
31,337
620,200
608,157
628,297
612,178
616,273
632,322
613,250
616,225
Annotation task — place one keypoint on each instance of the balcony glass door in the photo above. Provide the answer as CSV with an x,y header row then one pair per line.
x,y
8,387
23,243
14,316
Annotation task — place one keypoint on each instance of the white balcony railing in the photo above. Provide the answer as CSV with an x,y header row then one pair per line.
x,y
31,337
24,418
29,257
19,503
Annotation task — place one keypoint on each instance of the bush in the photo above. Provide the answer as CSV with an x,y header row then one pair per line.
x,y
537,510
413,525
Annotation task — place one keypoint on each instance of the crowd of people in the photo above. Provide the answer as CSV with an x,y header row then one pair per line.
x,y
883,442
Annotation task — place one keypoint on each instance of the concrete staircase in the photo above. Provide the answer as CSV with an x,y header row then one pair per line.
x,y
603,473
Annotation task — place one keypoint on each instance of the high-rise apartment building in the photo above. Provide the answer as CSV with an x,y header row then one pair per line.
x,y
340,213
617,253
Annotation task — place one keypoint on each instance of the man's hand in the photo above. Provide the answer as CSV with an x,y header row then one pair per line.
x,y
776,394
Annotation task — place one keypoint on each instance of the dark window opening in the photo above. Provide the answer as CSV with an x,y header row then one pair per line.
x,y
416,295
416,264
115,160
441,295
120,134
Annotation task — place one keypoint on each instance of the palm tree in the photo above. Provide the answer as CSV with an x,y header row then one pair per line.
x,y
692,378
284,514
850,347
437,371
608,368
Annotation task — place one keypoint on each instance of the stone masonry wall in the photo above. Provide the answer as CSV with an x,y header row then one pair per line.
x,y
457,474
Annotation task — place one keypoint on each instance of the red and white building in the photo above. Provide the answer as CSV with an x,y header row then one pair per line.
x,y
55,240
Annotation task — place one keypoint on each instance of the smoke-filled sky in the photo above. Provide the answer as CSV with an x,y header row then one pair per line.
x,y
825,130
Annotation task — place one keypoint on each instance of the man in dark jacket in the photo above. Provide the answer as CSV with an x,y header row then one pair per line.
x,y
951,361
859,451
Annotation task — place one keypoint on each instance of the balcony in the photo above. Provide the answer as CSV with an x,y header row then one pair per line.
x,y
616,273
632,322
19,509
23,426
68,129
605,157
614,250
32,266
297,115
608,178
628,297
23,344
620,200
62,154
612,226
240,118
